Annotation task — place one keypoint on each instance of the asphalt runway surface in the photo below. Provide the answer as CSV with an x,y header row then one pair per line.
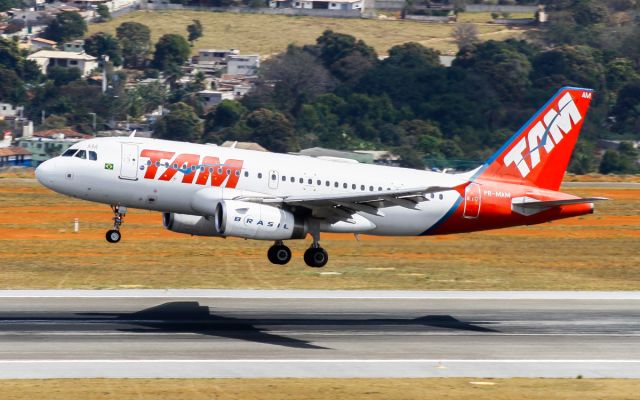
x,y
235,333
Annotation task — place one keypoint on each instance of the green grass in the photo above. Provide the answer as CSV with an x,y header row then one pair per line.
x,y
271,34
39,250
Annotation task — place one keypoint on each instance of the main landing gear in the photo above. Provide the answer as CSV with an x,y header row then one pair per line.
x,y
315,256
279,253
113,235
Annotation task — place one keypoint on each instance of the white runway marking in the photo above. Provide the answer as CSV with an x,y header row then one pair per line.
x,y
322,294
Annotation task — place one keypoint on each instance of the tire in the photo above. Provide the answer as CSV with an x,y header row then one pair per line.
x,y
113,236
279,254
316,257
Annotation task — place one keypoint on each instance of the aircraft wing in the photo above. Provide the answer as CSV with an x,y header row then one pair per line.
x,y
345,204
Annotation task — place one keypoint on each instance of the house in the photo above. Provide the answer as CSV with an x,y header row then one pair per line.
x,y
38,43
75,46
51,143
212,98
243,65
214,55
8,110
329,5
49,58
15,157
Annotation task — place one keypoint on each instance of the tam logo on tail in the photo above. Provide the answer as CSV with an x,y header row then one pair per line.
x,y
539,153
546,134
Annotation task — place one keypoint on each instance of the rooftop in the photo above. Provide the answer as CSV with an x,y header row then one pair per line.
x,y
43,40
61,54
14,151
67,132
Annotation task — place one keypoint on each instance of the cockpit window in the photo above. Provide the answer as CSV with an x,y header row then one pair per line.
x,y
81,154
69,153
93,156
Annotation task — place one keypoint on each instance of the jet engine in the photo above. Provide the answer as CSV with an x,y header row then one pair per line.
x,y
189,224
257,221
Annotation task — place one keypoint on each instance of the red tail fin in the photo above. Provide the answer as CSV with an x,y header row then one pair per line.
x,y
538,154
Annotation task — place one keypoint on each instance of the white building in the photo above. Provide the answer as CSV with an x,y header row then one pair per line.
x,y
212,98
243,65
49,58
329,5
215,55
74,46
8,110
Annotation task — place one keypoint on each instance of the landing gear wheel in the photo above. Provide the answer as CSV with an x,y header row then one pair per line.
x,y
113,236
316,257
279,254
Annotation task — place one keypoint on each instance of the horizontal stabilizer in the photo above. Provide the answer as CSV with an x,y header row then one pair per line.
x,y
554,203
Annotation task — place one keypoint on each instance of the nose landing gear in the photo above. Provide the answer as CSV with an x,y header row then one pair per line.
x,y
113,235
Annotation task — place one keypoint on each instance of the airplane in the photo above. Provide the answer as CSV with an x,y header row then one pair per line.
x,y
206,190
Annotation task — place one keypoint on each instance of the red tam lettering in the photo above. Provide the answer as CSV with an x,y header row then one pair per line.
x,y
183,162
155,156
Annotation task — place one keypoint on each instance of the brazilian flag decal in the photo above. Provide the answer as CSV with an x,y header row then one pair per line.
x,y
108,166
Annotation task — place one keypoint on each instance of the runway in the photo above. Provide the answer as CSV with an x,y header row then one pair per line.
x,y
237,333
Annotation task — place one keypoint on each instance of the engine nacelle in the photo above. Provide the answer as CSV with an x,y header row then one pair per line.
x,y
189,224
257,221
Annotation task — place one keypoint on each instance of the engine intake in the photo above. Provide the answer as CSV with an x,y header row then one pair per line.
x,y
189,224
257,221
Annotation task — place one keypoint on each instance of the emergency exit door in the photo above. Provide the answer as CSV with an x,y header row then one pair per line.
x,y
472,201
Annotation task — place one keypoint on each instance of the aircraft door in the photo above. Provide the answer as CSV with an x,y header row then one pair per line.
x,y
472,201
129,162
274,177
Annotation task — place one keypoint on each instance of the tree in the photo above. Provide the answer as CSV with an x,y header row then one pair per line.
x,y
465,35
54,122
66,26
344,56
180,124
11,87
6,5
104,12
195,31
619,162
135,39
103,43
272,130
412,55
227,113
627,109
171,52
63,76
299,77
146,98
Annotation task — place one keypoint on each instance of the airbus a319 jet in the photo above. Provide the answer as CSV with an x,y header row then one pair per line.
x,y
207,190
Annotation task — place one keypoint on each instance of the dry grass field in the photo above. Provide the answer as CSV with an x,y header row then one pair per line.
x,y
38,249
320,389
271,34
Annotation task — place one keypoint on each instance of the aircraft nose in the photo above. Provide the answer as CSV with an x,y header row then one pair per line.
x,y
45,173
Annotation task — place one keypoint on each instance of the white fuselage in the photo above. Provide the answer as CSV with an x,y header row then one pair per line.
x,y
123,175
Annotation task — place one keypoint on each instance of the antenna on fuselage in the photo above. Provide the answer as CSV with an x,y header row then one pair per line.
x,y
133,134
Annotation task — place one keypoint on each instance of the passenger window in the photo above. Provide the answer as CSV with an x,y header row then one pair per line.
x,y
246,174
69,153
336,184
441,196
310,181
228,172
81,154
93,156
237,173
379,189
327,183
353,186
301,180
259,175
361,187
157,163
319,182
371,188
344,185
284,178
273,177
293,180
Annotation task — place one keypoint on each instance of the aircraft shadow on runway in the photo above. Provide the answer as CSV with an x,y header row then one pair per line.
x,y
191,317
